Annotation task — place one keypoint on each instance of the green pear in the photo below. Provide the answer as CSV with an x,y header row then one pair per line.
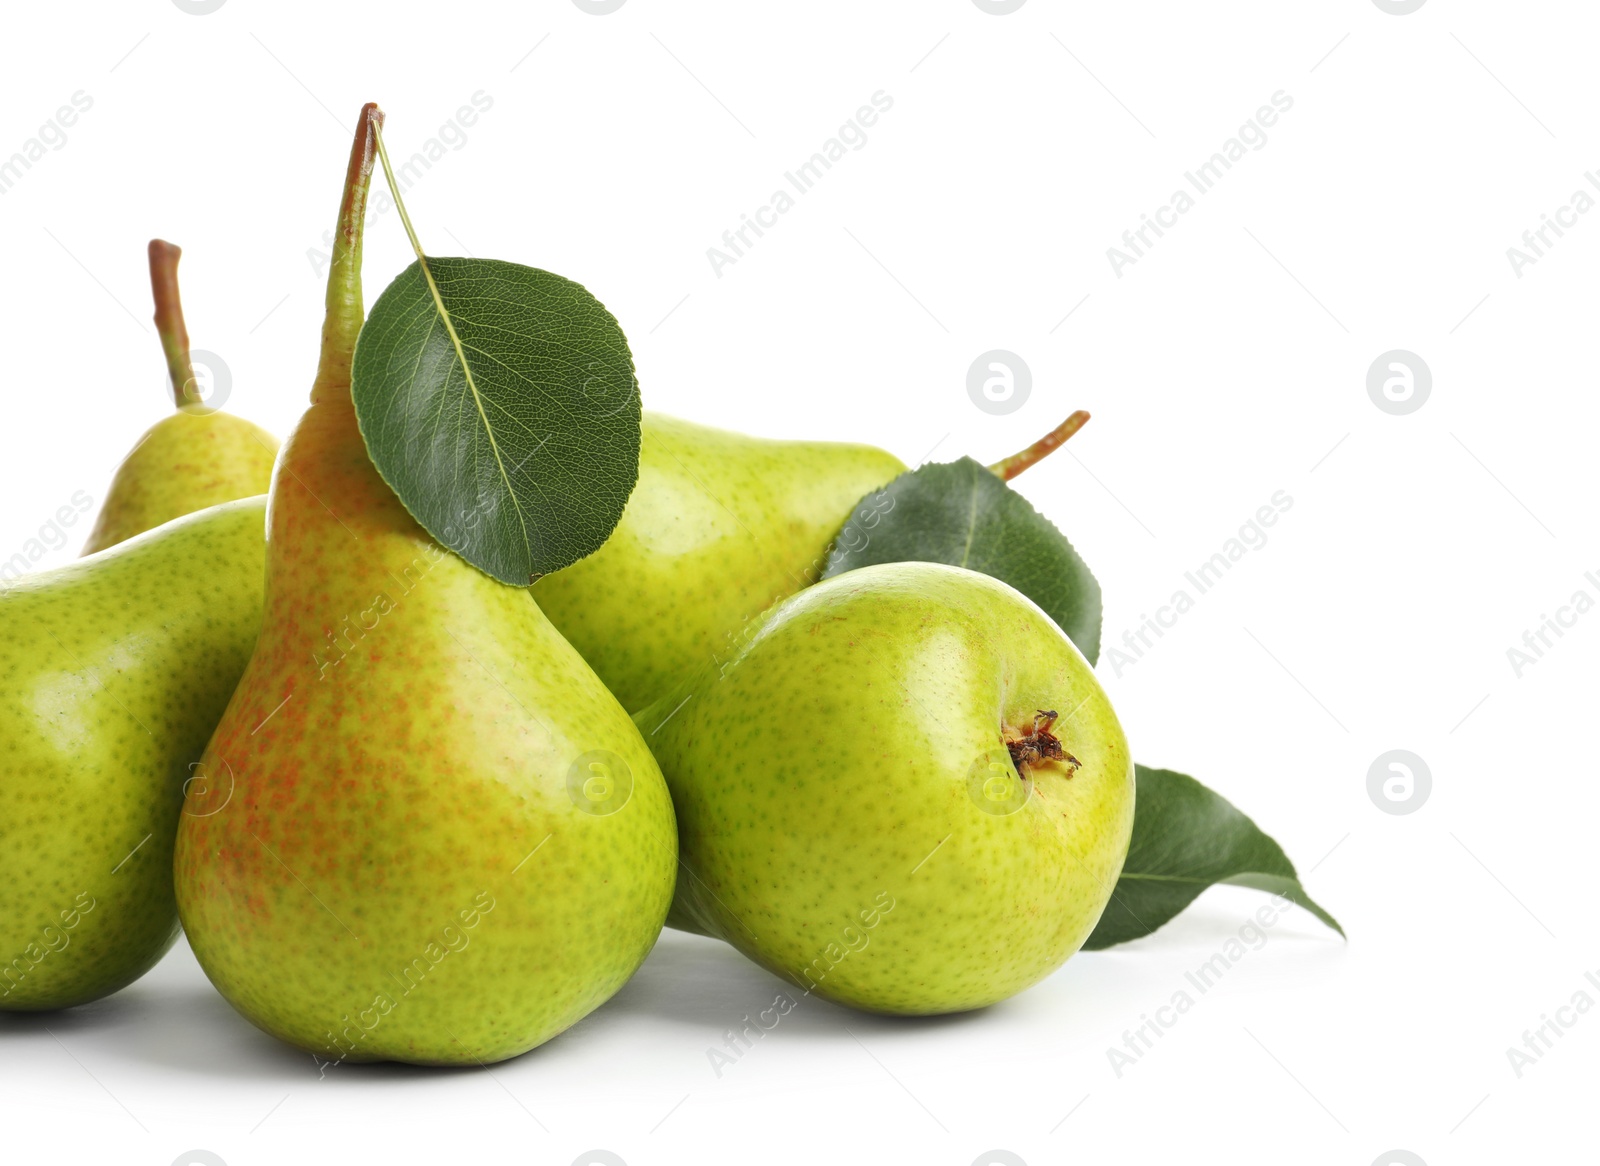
x,y
905,791
719,527
195,458
446,841
113,672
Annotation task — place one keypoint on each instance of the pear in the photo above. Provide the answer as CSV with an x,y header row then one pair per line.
x,y
197,457
113,672
446,841
905,791
719,527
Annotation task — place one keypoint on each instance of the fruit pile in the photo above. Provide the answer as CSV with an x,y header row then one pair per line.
x,y
393,792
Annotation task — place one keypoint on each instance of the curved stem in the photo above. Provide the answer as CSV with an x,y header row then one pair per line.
x,y
164,258
1008,468
342,324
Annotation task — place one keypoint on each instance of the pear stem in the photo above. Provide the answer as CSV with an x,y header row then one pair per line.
x,y
164,258
1007,468
345,312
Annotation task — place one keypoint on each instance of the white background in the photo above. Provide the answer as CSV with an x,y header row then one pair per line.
x,y
1228,363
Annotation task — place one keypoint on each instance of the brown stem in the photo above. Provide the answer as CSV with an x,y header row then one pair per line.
x,y
164,258
1008,468
342,324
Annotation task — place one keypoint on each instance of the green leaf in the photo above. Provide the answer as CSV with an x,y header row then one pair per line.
x,y
962,514
1185,839
508,424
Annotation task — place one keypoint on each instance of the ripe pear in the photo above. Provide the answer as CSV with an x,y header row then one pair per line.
x,y
197,457
113,672
906,791
447,842
719,527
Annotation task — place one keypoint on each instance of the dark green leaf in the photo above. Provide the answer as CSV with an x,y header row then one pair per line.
x,y
962,514
518,447
1185,839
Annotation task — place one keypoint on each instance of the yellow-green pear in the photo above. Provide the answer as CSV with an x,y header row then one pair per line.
x,y
446,841
719,527
113,672
905,791
197,457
